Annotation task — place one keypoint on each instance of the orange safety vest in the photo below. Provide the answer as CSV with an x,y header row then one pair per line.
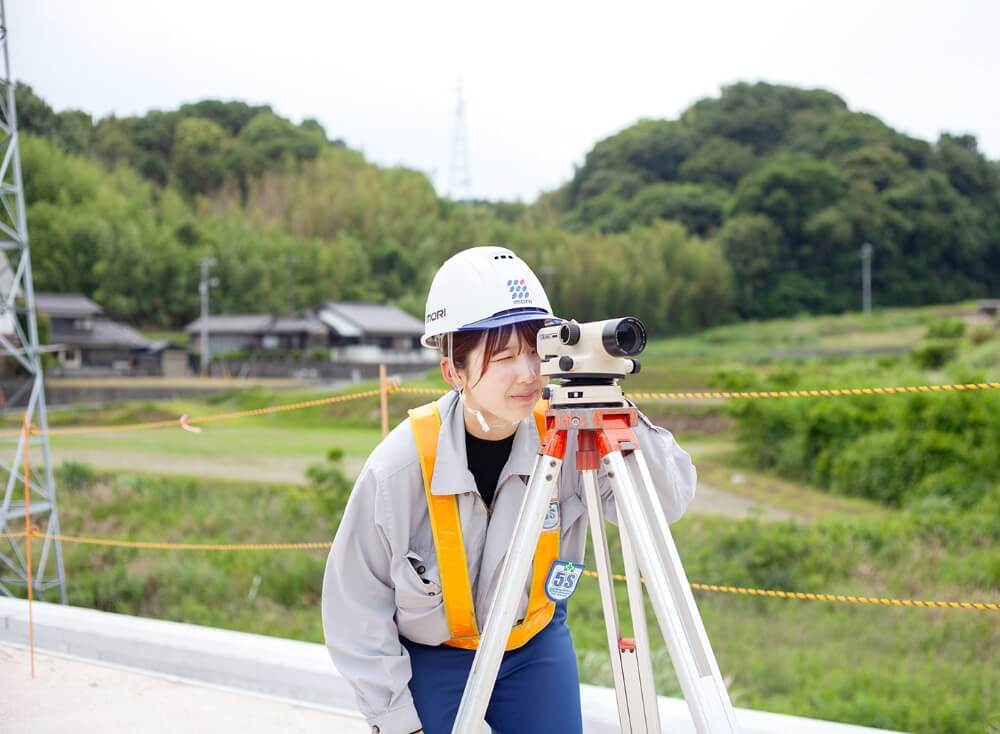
x,y
449,545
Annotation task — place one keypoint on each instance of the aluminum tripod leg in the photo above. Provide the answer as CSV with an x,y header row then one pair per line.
x,y
631,663
644,651
543,487
642,518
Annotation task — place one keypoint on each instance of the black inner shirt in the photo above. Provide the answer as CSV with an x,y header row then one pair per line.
x,y
486,461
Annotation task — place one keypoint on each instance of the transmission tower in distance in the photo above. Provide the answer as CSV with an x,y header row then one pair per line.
x,y
459,181
19,347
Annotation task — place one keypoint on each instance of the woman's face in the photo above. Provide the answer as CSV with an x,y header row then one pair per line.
x,y
510,386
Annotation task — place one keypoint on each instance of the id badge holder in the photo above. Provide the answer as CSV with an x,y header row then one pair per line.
x,y
562,579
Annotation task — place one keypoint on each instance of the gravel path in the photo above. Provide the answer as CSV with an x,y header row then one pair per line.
x,y
708,499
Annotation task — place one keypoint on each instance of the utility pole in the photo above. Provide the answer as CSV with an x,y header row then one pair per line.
x,y
290,261
866,278
204,285
29,495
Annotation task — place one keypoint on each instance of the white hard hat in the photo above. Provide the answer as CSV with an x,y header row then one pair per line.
x,y
481,288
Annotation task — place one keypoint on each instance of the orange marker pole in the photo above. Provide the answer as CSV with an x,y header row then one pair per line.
x,y
26,433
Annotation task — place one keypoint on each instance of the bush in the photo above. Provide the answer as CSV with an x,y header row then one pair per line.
x,y
74,476
955,486
780,555
946,329
234,355
329,486
982,334
896,467
985,356
933,354
899,450
865,468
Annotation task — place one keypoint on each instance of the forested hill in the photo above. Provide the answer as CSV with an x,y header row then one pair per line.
x,y
791,182
752,204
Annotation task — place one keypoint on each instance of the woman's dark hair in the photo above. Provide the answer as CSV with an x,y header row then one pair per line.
x,y
464,342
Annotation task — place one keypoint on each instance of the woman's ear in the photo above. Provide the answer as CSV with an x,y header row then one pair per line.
x,y
449,374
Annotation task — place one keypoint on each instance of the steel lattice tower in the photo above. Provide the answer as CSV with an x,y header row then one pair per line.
x,y
459,182
19,345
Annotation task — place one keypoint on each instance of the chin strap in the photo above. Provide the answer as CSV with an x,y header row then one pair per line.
x,y
483,423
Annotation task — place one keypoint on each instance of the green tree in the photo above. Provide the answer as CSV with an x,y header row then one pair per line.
x,y
719,161
652,149
699,208
789,189
34,115
268,141
967,170
113,142
199,155
757,115
76,131
230,116
751,244
753,203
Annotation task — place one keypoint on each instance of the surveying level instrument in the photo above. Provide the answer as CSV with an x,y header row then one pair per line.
x,y
586,361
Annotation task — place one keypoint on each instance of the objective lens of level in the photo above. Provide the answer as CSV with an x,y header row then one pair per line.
x,y
624,337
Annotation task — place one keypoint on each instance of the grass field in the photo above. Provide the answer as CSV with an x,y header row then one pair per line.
x,y
906,669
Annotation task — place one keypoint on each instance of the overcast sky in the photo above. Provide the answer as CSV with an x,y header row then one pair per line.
x,y
543,81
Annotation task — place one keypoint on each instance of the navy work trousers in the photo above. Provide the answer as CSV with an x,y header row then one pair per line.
x,y
537,689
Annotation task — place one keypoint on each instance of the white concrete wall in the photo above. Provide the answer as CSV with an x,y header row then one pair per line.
x,y
287,668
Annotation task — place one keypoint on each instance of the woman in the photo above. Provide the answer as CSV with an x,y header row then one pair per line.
x,y
404,599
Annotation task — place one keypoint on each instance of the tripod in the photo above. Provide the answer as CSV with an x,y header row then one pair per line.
x,y
604,423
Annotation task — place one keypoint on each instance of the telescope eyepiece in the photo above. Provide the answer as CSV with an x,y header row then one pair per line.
x,y
569,334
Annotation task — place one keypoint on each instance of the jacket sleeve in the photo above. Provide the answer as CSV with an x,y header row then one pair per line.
x,y
359,607
670,467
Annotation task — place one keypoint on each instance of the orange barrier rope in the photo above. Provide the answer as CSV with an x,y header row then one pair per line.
x,y
388,387
325,545
761,394
187,422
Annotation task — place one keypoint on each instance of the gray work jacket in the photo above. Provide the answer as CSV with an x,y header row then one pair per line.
x,y
382,579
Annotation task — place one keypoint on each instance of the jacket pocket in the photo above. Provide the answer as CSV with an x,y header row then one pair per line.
x,y
420,613
423,576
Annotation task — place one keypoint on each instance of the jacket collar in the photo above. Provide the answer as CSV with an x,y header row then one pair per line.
x,y
451,465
